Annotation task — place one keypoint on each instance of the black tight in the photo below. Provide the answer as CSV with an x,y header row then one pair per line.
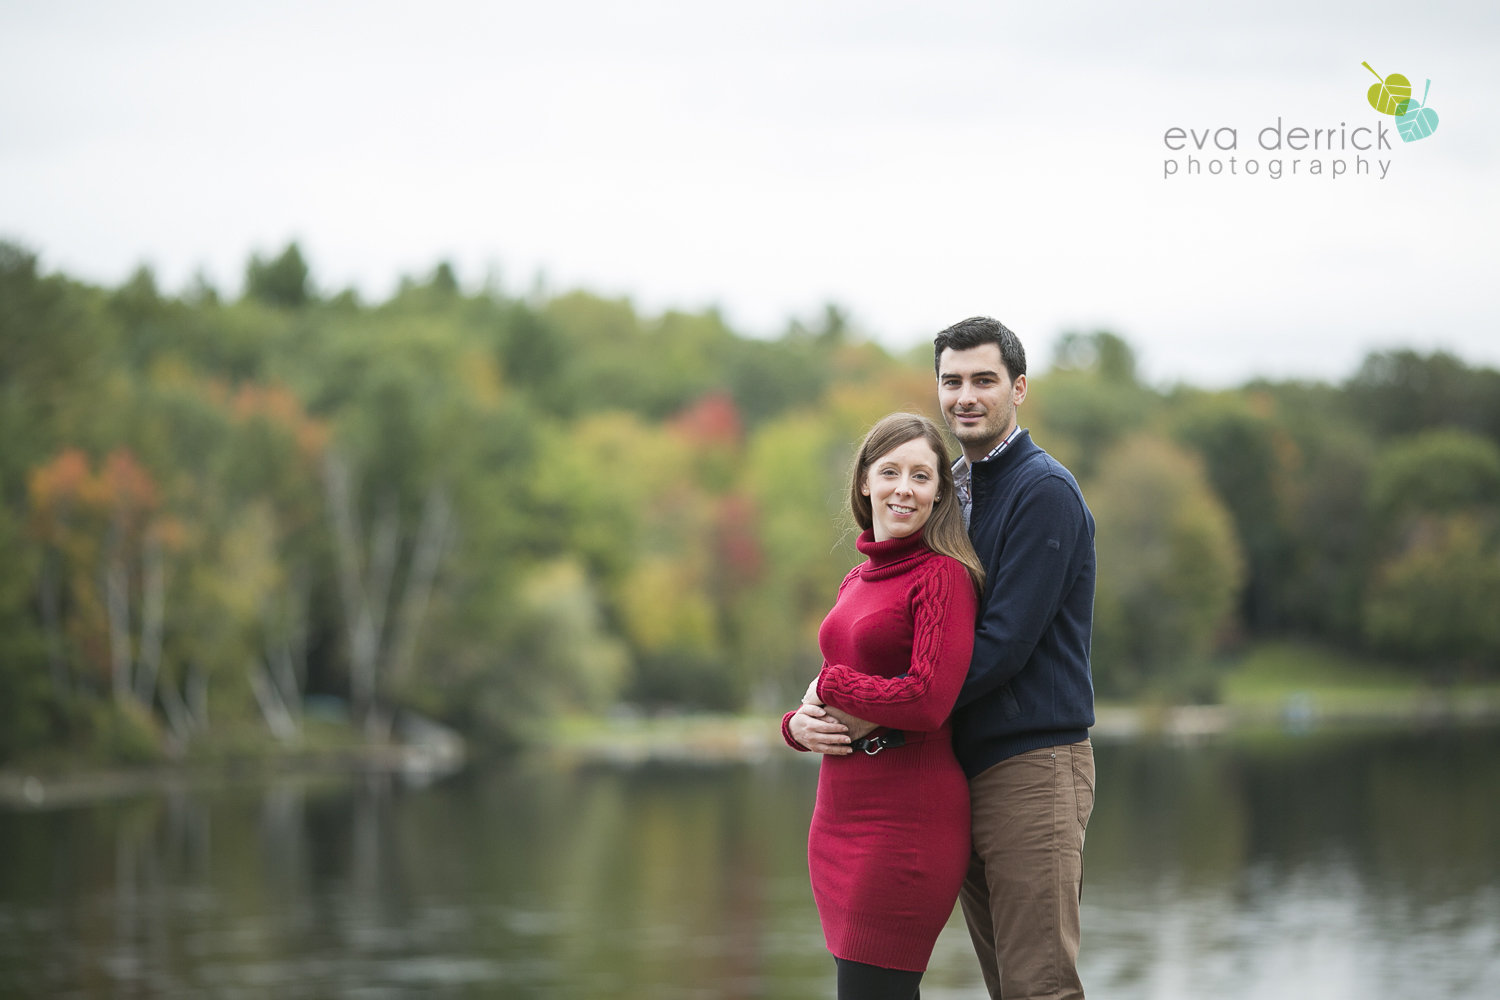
x,y
858,981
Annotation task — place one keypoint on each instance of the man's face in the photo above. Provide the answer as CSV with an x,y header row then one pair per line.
x,y
978,397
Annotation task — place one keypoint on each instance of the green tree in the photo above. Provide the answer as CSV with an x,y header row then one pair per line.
x,y
55,339
1248,459
1325,519
1438,472
1088,401
279,282
55,342
444,280
1397,392
795,473
1434,593
27,703
1438,602
1168,568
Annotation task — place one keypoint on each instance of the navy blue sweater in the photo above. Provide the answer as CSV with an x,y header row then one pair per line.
x,y
1029,684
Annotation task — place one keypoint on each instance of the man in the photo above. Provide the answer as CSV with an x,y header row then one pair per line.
x,y
1020,727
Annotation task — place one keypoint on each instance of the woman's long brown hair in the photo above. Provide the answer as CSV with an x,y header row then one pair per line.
x,y
944,531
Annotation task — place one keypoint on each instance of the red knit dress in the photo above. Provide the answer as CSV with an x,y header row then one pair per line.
x,y
889,842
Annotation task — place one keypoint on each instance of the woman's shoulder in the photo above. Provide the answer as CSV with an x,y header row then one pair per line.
x,y
937,562
947,572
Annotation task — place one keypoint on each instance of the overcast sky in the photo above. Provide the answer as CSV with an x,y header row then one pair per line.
x,y
917,163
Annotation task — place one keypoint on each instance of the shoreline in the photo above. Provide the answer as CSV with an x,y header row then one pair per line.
x,y
713,740
439,753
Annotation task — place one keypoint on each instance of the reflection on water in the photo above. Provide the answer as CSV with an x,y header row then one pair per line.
x,y
1313,867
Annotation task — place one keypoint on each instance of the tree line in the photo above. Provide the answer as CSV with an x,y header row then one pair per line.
x,y
219,516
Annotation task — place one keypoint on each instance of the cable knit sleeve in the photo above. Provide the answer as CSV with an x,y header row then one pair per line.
x,y
786,734
943,610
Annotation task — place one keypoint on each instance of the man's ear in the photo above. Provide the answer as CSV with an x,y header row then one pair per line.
x,y
1018,391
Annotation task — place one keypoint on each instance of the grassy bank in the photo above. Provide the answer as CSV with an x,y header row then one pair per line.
x,y
1282,686
1309,683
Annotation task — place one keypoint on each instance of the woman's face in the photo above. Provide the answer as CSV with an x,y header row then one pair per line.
x,y
902,485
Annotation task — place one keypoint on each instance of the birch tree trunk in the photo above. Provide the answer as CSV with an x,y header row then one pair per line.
x,y
153,613
272,707
385,540
432,538
287,652
197,697
50,600
178,716
117,606
367,595
344,519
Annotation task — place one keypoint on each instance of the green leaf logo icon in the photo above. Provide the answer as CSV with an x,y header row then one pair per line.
x,y
1391,95
1417,121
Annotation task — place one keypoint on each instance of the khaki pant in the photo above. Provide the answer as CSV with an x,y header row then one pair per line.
x,y
1025,878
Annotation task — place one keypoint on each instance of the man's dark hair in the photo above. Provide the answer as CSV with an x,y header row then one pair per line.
x,y
977,330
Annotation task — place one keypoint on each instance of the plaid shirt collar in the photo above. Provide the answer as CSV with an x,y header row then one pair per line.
x,y
963,480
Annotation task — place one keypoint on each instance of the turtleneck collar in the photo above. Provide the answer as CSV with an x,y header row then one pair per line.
x,y
889,556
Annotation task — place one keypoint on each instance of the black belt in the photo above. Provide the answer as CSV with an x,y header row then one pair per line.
x,y
872,745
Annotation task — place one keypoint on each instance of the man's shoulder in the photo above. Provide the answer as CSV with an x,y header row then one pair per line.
x,y
1038,470
1052,474
1041,487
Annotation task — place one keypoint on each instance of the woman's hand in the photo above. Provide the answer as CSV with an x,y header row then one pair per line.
x,y
815,729
810,696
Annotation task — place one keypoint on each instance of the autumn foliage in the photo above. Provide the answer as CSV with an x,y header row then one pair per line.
x,y
491,509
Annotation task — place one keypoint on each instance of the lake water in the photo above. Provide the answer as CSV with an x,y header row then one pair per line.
x,y
1316,866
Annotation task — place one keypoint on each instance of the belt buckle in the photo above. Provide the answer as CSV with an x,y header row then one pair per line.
x,y
872,745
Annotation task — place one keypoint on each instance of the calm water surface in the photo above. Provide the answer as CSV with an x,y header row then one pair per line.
x,y
1317,866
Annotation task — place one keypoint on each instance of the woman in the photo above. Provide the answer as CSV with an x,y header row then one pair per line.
x,y
889,842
